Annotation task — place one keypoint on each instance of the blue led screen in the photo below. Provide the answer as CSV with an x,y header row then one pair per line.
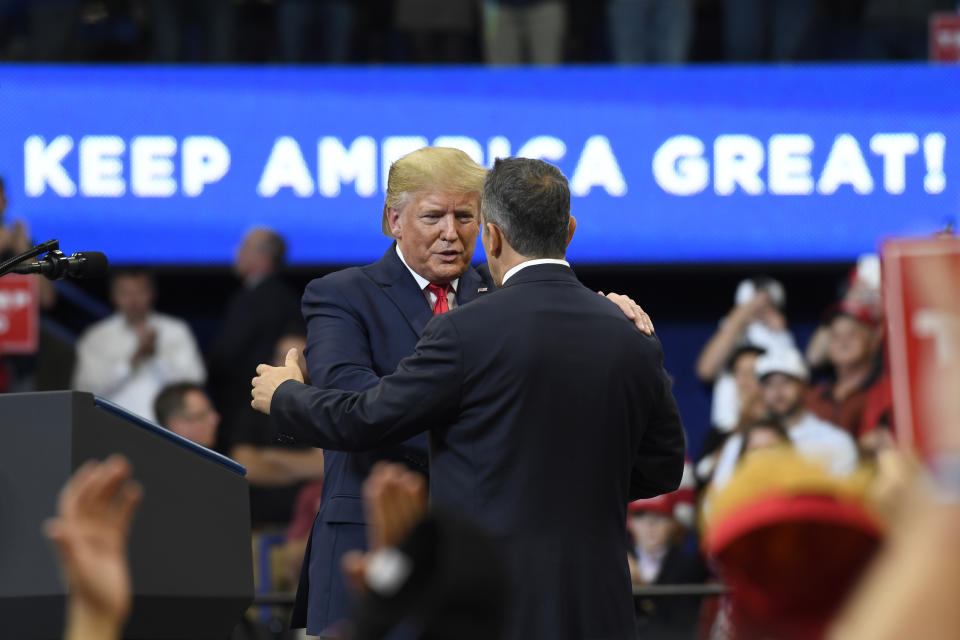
x,y
700,164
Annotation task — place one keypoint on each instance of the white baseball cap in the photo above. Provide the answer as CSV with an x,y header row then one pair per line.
x,y
786,361
748,289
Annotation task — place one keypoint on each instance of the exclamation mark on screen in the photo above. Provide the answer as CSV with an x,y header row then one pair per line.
x,y
933,147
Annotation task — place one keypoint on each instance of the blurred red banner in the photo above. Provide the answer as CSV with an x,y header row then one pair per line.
x,y
921,291
19,322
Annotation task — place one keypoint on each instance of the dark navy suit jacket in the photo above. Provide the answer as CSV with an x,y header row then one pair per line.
x,y
547,412
361,322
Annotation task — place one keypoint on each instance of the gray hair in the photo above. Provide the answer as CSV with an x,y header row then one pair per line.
x,y
530,201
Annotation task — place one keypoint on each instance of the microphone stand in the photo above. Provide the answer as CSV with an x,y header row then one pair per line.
x,y
8,265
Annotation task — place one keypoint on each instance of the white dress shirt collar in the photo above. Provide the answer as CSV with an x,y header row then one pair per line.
x,y
650,563
531,263
421,281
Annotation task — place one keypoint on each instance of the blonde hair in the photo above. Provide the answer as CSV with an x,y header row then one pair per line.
x,y
431,168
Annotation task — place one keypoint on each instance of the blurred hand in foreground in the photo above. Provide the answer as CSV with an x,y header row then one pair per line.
x,y
395,501
911,590
94,514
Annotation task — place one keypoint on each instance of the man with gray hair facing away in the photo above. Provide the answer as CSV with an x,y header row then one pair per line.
x,y
362,321
539,376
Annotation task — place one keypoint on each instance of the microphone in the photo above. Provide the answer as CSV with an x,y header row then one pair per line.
x,y
55,265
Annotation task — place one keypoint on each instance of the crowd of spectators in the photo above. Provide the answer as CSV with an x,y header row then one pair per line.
x,y
149,363
498,32
828,404
826,401
130,356
828,416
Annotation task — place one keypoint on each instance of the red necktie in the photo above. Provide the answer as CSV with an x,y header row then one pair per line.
x,y
439,290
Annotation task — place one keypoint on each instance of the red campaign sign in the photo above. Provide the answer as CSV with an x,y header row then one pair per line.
x,y
19,321
921,280
945,37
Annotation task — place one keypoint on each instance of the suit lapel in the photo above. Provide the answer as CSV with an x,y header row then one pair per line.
x,y
394,279
471,286
668,569
397,284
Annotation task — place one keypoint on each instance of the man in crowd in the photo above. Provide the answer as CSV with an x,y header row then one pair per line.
x,y
131,355
645,31
525,31
784,379
852,349
15,238
362,321
508,387
749,399
276,472
185,409
26,372
659,558
438,31
756,322
255,318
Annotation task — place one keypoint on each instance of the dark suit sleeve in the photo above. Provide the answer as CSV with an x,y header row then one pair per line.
x,y
423,392
658,464
338,346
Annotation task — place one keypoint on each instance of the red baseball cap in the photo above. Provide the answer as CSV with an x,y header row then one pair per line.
x,y
662,504
791,560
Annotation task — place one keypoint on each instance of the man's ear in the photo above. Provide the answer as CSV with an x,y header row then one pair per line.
x,y
570,229
493,239
393,220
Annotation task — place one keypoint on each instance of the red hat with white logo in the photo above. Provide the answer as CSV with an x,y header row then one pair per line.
x,y
679,504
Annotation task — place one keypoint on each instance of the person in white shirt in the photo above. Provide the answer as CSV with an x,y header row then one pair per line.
x,y
756,323
131,355
784,380
756,320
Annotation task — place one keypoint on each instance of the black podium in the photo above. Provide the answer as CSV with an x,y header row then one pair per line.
x,y
190,550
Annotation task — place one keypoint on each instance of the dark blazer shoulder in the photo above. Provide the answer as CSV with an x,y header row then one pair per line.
x,y
338,278
380,271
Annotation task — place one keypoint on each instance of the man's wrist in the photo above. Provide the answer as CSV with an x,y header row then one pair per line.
x,y
86,623
276,391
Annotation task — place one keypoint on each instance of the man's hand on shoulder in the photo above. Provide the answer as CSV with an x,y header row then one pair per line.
x,y
269,378
632,310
